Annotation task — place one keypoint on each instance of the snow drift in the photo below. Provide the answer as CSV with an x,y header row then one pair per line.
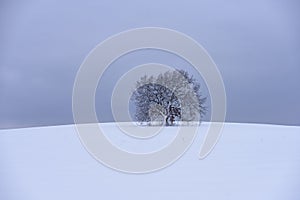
x,y
250,161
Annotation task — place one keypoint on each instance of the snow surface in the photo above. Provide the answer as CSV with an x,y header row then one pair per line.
x,y
250,161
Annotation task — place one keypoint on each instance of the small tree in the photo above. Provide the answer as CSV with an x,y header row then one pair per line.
x,y
172,96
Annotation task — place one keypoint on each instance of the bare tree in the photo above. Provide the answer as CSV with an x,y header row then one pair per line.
x,y
171,97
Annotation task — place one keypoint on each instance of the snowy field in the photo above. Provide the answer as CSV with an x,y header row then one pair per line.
x,y
250,161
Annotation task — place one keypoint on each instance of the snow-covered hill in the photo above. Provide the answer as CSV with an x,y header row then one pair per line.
x,y
250,161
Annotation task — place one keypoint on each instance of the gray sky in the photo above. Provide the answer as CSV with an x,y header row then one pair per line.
x,y
255,44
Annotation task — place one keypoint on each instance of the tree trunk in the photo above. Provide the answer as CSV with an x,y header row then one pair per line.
x,y
167,121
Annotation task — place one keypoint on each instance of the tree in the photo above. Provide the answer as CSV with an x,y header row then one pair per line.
x,y
171,97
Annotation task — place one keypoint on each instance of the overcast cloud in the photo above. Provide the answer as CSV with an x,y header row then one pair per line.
x,y
255,44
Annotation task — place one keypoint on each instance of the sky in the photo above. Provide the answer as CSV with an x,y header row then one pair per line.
x,y
255,45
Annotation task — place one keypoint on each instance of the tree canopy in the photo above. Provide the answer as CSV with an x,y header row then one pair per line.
x,y
170,97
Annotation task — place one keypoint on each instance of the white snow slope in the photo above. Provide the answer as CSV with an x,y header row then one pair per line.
x,y
250,161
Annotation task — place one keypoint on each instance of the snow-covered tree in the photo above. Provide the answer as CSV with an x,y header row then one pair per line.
x,y
171,97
